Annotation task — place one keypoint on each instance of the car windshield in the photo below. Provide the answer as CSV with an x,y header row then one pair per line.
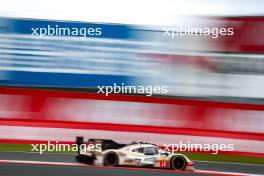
x,y
151,151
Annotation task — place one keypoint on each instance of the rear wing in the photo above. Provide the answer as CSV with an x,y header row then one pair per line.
x,y
105,143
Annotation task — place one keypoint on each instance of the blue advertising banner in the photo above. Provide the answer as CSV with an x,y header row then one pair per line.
x,y
66,54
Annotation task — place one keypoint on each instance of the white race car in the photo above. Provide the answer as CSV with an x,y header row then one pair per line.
x,y
136,154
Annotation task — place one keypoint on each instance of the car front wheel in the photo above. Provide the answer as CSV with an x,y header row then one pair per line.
x,y
178,163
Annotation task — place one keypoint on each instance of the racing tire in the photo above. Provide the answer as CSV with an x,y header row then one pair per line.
x,y
178,163
111,159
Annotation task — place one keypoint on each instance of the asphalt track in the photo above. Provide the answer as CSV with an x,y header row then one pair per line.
x,y
27,164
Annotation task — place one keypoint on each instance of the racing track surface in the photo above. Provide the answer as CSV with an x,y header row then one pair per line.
x,y
27,164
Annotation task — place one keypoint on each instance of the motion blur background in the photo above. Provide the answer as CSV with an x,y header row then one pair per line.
x,y
48,85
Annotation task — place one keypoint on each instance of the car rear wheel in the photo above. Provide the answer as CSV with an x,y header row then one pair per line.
x,y
178,163
111,159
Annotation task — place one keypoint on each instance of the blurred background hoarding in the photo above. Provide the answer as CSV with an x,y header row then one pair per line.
x,y
192,66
